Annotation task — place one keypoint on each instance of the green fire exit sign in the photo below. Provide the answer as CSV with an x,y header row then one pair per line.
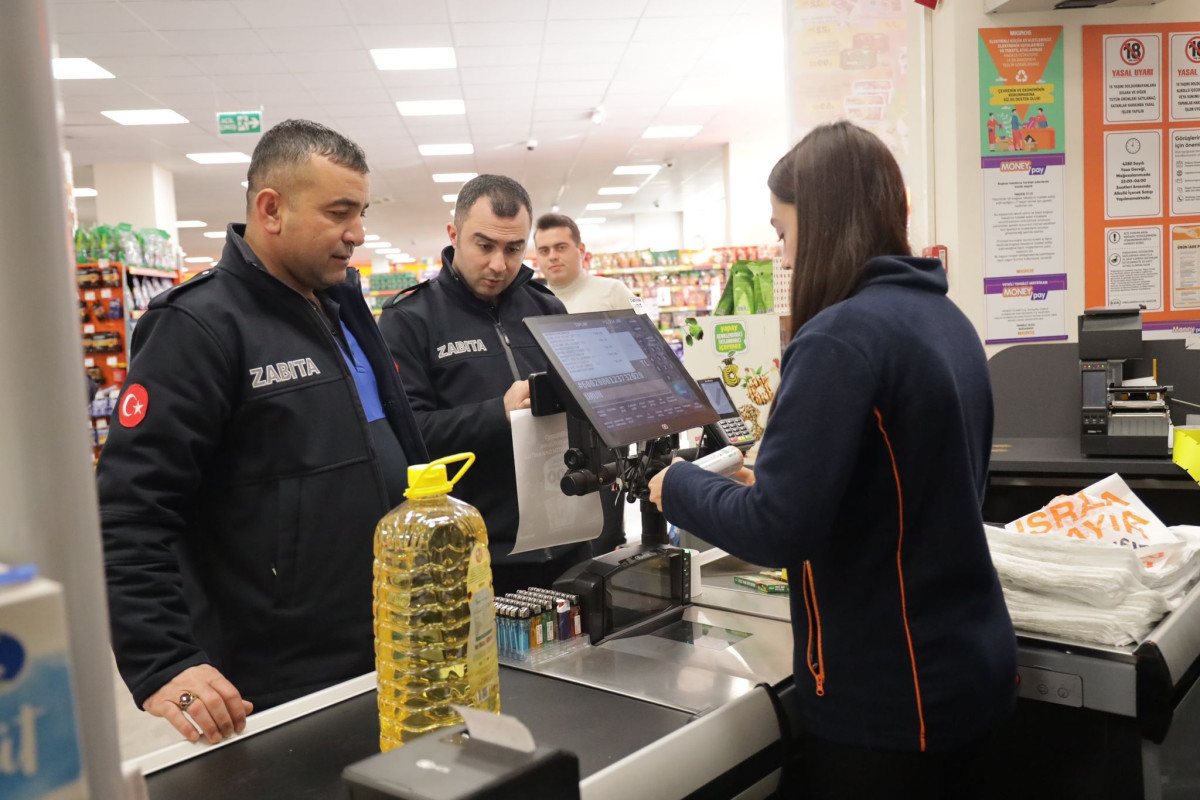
x,y
239,122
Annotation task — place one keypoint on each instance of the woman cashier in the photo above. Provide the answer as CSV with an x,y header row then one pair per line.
x,y
867,488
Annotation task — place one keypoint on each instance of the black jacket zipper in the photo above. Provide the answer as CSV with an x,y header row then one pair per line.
x,y
508,353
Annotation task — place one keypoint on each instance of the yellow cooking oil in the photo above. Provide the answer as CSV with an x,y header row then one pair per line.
x,y
435,623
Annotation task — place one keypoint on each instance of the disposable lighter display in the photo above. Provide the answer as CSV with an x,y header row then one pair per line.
x,y
435,624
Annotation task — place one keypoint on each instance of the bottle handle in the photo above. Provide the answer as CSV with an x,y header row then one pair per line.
x,y
469,458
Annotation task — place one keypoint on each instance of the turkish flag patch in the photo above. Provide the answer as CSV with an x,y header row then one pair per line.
x,y
133,406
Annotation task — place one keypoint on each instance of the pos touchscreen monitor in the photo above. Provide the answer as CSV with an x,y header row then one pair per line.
x,y
622,375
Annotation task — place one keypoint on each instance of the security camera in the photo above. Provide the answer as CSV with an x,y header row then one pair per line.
x,y
657,203
669,164
531,145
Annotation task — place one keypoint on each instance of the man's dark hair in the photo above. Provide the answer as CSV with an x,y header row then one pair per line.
x,y
507,197
292,143
547,221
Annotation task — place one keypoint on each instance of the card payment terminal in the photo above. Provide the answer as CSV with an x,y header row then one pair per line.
x,y
730,429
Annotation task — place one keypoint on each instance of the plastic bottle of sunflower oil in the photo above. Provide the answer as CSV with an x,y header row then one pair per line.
x,y
435,623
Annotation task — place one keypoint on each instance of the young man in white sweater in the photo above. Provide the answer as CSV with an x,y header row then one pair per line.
x,y
561,254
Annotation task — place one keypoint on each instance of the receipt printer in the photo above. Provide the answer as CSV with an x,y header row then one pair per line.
x,y
448,765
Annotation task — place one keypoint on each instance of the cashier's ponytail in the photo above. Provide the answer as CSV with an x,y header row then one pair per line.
x,y
851,206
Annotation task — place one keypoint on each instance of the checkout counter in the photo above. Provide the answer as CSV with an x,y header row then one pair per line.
x,y
1095,721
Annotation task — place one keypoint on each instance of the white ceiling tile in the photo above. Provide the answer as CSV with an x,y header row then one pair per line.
x,y
376,111
580,105
580,54
292,13
120,43
172,84
609,9
349,94
489,34
215,42
73,91
435,130
395,12
576,113
181,15
591,31
134,66
492,11
517,91
401,81
269,83
572,89
576,72
239,63
650,53
351,81
339,61
494,56
506,106
642,85
431,35
426,93
93,18
680,29
313,40
498,74
689,8
632,69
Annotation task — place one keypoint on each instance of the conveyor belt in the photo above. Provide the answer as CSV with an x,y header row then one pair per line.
x,y
304,758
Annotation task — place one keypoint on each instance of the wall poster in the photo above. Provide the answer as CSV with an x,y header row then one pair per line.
x,y
1141,147
1021,136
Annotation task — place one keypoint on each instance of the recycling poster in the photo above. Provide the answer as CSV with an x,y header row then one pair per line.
x,y
1021,138
1141,113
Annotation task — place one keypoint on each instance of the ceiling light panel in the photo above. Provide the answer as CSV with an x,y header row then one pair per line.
x,y
191,223
591,220
377,245
430,108
146,116
78,69
83,191
214,235
456,149
450,198
602,206
412,58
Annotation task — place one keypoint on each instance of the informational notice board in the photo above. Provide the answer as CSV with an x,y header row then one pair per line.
x,y
1021,137
1141,113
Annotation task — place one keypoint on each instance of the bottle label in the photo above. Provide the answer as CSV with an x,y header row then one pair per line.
x,y
483,673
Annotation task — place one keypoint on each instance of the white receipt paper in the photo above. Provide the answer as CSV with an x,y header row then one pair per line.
x,y
548,517
497,729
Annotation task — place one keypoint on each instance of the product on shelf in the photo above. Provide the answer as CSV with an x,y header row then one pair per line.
x,y
118,271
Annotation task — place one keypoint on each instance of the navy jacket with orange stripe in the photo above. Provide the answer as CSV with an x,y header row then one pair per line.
x,y
869,482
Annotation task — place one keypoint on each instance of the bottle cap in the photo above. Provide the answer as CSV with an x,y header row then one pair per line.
x,y
426,480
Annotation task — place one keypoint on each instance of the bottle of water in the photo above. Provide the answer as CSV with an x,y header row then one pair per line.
x,y
435,623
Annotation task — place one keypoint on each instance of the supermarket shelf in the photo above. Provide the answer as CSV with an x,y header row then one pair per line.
x,y
151,272
382,293
658,270
137,313
685,308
